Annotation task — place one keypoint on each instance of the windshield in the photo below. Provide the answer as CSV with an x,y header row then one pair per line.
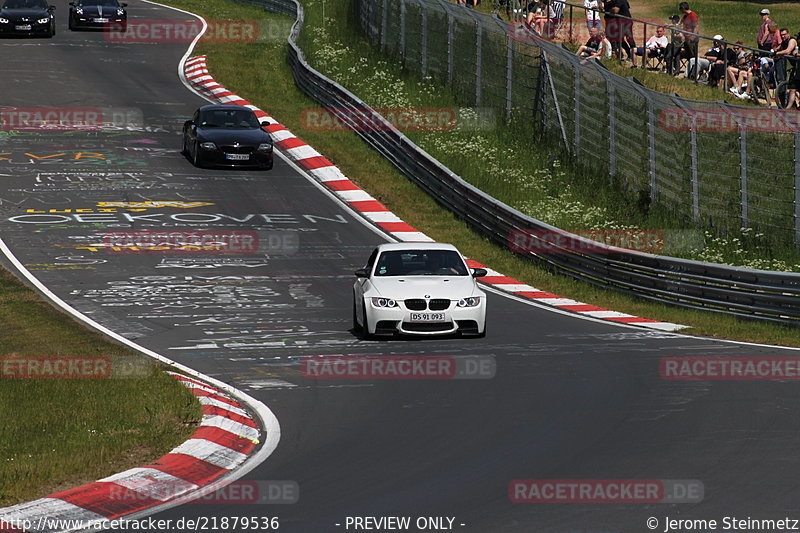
x,y
25,4
229,118
105,3
420,263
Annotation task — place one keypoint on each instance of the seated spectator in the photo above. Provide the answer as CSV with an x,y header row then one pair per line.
x,y
735,68
704,61
604,50
726,56
744,75
592,45
546,18
787,48
656,45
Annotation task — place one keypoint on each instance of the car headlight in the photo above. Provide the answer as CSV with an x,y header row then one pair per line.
x,y
3,21
208,146
44,20
265,147
472,301
384,302
79,10
120,12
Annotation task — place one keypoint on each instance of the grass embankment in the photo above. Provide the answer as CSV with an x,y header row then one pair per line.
x,y
59,433
271,87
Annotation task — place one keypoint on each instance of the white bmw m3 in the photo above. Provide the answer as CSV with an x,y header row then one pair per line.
x,y
418,289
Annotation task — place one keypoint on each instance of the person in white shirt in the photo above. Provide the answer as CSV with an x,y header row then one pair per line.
x,y
656,45
593,10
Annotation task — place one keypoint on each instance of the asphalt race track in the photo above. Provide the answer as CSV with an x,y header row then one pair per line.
x,y
571,398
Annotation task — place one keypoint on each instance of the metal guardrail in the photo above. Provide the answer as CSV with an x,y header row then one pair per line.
x,y
763,295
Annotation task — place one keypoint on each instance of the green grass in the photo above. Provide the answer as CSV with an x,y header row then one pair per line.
x,y
56,434
272,88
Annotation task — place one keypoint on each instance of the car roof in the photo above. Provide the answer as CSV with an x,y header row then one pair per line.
x,y
417,246
212,107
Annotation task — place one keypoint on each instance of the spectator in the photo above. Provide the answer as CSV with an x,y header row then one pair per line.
x,y
604,51
545,19
656,46
672,55
793,86
744,74
726,56
689,22
787,48
738,67
704,61
618,28
762,30
593,8
592,45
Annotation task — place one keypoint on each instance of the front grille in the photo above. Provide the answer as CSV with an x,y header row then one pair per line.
x,y
386,326
237,149
438,304
427,326
415,304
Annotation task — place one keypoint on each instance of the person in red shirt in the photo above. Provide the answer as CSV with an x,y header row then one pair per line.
x,y
763,34
689,22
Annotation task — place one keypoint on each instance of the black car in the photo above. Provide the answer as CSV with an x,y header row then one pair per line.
x,y
227,135
98,14
27,17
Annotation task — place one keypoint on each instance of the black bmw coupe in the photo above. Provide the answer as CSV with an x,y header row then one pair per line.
x,y
101,14
27,18
227,135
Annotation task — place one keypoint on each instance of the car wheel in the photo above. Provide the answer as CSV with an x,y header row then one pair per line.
x,y
71,25
124,27
196,161
365,328
356,326
184,149
269,165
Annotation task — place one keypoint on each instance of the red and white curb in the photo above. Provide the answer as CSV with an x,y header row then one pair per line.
x,y
328,174
225,437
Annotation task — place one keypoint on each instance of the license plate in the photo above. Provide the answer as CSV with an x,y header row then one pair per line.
x,y
238,157
427,317
101,20
24,27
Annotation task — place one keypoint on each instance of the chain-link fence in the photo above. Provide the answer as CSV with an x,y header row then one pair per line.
x,y
720,166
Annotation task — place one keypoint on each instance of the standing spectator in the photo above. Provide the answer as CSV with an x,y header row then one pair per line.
x,y
787,48
618,29
656,45
593,8
726,56
689,22
672,55
762,30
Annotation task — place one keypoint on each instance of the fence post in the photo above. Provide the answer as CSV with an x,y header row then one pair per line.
x,y
797,189
384,23
651,137
693,157
576,97
743,174
509,74
403,29
612,127
424,43
450,51
478,60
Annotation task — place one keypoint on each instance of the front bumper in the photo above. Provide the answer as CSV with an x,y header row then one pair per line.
x,y
10,28
90,22
389,321
218,158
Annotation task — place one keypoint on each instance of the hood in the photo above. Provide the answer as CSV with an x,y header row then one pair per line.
x,y
29,13
405,287
230,136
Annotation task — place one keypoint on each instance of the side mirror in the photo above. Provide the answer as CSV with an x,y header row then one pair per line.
x,y
123,4
72,3
51,8
478,272
361,273
265,123
188,124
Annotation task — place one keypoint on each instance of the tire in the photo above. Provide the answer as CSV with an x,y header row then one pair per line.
x,y
356,326
365,334
196,161
782,94
71,25
270,165
184,149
